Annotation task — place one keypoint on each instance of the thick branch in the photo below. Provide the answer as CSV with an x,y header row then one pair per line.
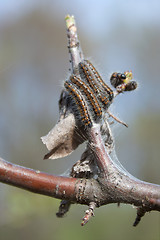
x,y
113,184
120,185
116,187
36,181
73,189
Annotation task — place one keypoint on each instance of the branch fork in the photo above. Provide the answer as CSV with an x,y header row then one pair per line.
x,y
95,179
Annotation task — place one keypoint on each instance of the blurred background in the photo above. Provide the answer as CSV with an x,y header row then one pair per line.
x,y
34,62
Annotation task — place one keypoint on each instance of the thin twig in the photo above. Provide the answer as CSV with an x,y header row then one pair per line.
x,y
73,43
112,185
88,214
117,119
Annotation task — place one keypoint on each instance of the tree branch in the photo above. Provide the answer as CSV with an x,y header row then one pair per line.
x,y
75,51
96,179
73,189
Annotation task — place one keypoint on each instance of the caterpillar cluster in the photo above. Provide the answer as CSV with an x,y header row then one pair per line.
x,y
90,95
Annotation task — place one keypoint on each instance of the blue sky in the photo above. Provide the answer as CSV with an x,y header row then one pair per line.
x,y
93,12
